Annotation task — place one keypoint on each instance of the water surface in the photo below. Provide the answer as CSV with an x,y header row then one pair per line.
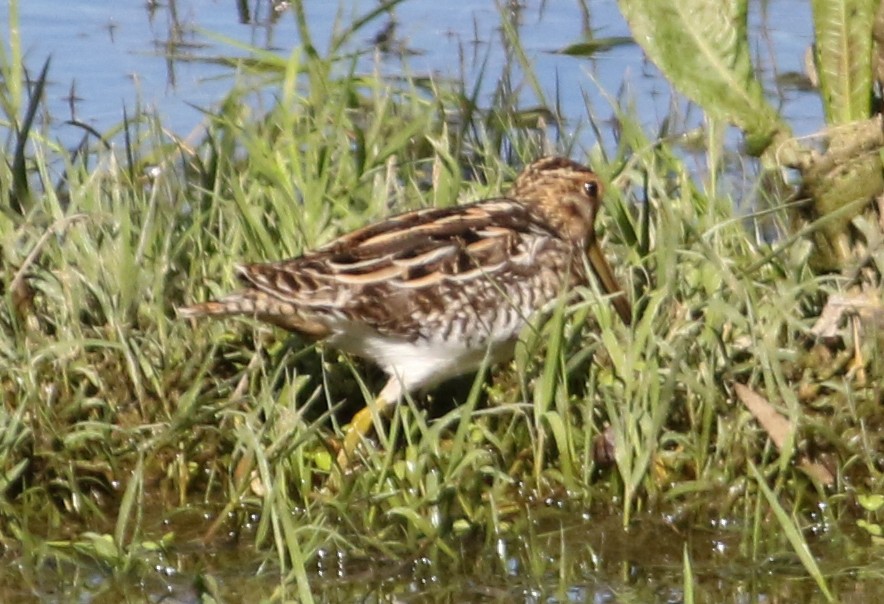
x,y
107,56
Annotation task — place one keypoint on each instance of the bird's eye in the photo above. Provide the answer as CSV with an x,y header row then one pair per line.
x,y
591,188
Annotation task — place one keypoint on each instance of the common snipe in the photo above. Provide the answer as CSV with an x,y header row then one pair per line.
x,y
428,294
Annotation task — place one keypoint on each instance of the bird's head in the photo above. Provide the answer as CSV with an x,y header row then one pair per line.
x,y
567,196
564,194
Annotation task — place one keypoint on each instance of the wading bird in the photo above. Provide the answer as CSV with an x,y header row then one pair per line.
x,y
428,294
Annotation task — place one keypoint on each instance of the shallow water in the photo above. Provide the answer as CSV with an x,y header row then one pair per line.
x,y
107,56
558,557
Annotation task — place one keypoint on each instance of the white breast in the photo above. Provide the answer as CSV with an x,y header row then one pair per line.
x,y
421,363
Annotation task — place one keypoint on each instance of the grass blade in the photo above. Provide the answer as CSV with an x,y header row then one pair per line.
x,y
793,534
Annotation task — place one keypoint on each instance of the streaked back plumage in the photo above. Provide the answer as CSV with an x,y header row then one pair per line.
x,y
464,279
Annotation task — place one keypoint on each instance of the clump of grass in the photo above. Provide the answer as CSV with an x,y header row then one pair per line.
x,y
119,420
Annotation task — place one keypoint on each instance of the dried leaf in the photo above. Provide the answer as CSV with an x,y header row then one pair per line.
x,y
778,429
866,305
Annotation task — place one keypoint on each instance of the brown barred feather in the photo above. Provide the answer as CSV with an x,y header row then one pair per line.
x,y
471,274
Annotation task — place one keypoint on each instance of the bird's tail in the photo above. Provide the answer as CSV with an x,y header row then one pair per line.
x,y
245,302
261,306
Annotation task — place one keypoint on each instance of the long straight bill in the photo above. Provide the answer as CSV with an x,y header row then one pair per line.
x,y
608,282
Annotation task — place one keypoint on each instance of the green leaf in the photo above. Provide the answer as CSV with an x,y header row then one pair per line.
x,y
871,503
873,529
701,46
688,575
844,57
593,46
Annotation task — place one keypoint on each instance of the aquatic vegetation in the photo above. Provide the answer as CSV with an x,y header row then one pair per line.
x,y
727,427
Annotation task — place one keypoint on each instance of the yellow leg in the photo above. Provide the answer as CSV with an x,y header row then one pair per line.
x,y
358,430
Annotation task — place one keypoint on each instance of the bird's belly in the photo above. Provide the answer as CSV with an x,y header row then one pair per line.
x,y
425,362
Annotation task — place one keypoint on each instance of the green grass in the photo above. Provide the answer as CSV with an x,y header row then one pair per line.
x,y
130,439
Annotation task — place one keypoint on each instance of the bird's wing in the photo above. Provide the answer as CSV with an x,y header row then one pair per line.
x,y
409,271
